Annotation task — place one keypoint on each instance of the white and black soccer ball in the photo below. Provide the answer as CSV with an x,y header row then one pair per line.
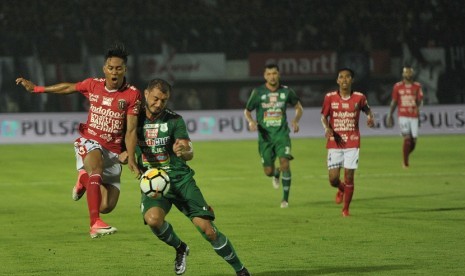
x,y
155,182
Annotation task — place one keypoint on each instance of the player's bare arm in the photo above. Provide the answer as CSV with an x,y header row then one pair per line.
x,y
251,120
59,88
390,120
298,114
183,148
328,130
131,140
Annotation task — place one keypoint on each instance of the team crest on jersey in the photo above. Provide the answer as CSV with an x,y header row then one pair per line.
x,y
107,101
356,106
282,96
164,127
122,104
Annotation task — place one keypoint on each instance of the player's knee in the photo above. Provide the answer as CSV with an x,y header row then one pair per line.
x,y
334,182
153,221
269,171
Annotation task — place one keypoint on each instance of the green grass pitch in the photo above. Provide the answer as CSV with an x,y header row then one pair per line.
x,y
404,222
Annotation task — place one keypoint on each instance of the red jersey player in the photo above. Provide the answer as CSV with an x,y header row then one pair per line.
x,y
408,96
343,107
112,118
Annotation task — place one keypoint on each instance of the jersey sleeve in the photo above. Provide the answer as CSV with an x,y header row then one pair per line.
x,y
326,106
180,129
293,98
134,104
395,93
84,87
252,102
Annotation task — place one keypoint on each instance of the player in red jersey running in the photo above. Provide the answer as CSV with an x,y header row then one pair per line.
x,y
408,96
340,118
112,118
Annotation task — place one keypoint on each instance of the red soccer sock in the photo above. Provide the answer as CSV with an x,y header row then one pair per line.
x,y
83,178
348,193
94,197
406,149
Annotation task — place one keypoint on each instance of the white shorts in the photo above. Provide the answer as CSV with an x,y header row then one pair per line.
x,y
343,158
111,167
408,126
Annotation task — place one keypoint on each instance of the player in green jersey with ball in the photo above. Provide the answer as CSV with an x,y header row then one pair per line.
x,y
164,143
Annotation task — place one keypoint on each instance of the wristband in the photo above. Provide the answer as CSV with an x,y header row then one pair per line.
x,y
39,89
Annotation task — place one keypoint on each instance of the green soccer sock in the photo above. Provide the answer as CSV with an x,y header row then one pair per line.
x,y
224,249
286,181
167,234
276,173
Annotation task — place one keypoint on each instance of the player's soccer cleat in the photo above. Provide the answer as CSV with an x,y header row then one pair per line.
x,y
180,261
345,213
284,204
275,182
100,228
78,191
339,196
243,272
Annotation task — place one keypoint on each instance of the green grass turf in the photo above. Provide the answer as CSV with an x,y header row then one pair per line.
x,y
404,222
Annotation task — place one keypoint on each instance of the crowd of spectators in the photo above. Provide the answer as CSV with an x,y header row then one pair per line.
x,y
238,27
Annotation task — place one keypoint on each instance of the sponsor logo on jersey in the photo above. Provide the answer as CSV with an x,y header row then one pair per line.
x,y
93,98
107,101
334,105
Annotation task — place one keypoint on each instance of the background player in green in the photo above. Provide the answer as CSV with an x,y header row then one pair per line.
x,y
270,101
163,142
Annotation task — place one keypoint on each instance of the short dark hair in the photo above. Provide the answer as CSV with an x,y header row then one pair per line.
x,y
117,50
162,85
352,73
271,66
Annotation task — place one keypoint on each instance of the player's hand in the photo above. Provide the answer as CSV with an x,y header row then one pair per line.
x,y
389,121
252,126
133,167
295,126
27,84
370,122
178,148
329,132
123,157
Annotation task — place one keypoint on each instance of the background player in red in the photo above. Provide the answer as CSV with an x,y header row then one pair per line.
x,y
408,96
340,118
112,118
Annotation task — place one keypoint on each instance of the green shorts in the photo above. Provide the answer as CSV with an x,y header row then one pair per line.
x,y
269,151
186,196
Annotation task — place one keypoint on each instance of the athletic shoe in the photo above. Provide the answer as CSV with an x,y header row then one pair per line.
x,y
284,204
180,261
345,213
78,191
339,196
243,272
100,228
275,182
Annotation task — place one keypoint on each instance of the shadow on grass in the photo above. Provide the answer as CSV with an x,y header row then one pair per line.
x,y
332,270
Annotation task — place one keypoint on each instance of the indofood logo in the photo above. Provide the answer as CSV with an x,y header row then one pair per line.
x,y
9,128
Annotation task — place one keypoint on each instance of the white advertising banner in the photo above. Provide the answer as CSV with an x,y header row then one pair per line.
x,y
173,66
221,124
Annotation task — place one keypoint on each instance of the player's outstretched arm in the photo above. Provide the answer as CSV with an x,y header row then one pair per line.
x,y
59,88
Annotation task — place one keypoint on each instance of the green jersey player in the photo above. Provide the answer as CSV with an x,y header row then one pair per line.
x,y
270,102
164,143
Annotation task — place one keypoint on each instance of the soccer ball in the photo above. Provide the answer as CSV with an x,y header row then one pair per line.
x,y
155,182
